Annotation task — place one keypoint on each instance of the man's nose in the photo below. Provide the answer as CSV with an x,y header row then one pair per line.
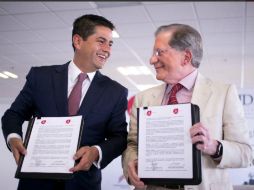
x,y
153,59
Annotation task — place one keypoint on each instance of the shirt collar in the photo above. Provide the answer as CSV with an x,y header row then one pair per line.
x,y
74,71
188,81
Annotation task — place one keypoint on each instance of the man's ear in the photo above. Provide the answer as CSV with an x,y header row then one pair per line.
x,y
77,39
187,57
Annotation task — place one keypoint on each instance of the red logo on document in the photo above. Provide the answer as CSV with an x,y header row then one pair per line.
x,y
175,111
68,121
149,113
43,121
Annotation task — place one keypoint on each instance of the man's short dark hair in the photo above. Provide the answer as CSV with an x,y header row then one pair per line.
x,y
85,25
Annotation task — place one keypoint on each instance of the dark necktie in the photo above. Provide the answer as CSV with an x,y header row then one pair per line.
x,y
172,97
75,95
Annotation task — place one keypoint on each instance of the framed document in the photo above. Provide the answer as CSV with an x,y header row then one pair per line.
x,y
51,143
166,155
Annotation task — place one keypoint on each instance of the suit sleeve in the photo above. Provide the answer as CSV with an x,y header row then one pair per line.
x,y
116,138
237,151
21,109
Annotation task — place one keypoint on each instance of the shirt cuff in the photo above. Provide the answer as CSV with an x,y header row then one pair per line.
x,y
97,164
12,135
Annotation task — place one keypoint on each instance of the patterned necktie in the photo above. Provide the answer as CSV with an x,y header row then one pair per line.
x,y
75,95
172,98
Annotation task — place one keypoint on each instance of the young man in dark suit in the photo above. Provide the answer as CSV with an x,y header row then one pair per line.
x,y
103,104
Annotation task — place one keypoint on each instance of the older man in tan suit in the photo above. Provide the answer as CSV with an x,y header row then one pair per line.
x,y
222,129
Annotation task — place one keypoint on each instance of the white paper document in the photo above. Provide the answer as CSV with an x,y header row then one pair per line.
x,y
164,143
53,142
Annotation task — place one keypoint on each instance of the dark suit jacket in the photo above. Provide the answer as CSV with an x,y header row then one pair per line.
x,y
103,109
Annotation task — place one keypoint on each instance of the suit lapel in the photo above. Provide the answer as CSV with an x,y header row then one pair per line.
x,y
157,95
93,94
60,81
202,92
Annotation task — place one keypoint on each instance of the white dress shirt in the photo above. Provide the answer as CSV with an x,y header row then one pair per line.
x,y
73,72
185,94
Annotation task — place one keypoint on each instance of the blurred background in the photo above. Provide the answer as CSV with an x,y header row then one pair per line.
x,y
39,33
36,33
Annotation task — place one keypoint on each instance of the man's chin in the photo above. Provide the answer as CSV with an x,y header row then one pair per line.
x,y
99,67
158,77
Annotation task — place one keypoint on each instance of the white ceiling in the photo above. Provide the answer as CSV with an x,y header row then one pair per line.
x,y
39,33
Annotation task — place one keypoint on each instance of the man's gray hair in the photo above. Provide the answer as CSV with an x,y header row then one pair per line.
x,y
184,37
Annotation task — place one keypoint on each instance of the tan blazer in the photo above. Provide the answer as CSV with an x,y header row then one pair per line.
x,y
222,113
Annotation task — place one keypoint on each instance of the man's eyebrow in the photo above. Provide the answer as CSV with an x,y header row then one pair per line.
x,y
104,39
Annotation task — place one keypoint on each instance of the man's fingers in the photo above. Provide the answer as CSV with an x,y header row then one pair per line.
x,y
198,139
76,168
86,156
21,148
198,129
133,176
79,153
84,164
16,155
17,148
